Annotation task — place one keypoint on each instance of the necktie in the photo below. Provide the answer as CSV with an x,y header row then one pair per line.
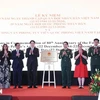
x,y
17,51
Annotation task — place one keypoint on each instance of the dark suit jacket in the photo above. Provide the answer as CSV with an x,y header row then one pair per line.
x,y
17,61
33,57
84,61
3,58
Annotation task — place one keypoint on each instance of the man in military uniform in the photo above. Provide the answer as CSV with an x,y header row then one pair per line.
x,y
65,56
94,53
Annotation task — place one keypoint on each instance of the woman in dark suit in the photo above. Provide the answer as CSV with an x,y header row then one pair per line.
x,y
81,65
5,63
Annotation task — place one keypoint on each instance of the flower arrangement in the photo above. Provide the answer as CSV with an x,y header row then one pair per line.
x,y
95,82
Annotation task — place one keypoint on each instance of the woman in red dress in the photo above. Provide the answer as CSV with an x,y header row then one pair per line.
x,y
81,71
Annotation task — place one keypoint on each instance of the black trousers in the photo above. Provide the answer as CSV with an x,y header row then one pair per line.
x,y
32,75
93,67
17,77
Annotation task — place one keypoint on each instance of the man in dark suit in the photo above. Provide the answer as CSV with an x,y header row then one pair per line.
x,y
17,57
65,56
94,53
32,63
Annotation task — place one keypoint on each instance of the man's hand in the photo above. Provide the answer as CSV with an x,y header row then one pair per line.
x,y
95,51
18,54
31,52
64,53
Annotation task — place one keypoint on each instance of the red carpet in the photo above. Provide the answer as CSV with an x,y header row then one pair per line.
x,y
46,93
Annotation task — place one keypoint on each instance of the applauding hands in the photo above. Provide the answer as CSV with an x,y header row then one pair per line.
x,y
31,52
5,54
64,53
17,54
95,51
80,52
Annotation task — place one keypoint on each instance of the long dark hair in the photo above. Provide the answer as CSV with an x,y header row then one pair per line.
x,y
3,47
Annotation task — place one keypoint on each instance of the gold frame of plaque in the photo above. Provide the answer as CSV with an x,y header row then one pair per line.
x,y
49,56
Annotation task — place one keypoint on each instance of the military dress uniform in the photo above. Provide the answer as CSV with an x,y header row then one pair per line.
x,y
94,53
66,66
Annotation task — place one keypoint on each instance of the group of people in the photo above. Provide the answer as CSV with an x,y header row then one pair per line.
x,y
80,57
32,53
17,56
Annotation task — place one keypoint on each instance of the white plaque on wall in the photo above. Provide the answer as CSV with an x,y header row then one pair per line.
x,y
49,56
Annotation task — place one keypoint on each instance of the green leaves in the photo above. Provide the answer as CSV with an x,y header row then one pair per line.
x,y
95,82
